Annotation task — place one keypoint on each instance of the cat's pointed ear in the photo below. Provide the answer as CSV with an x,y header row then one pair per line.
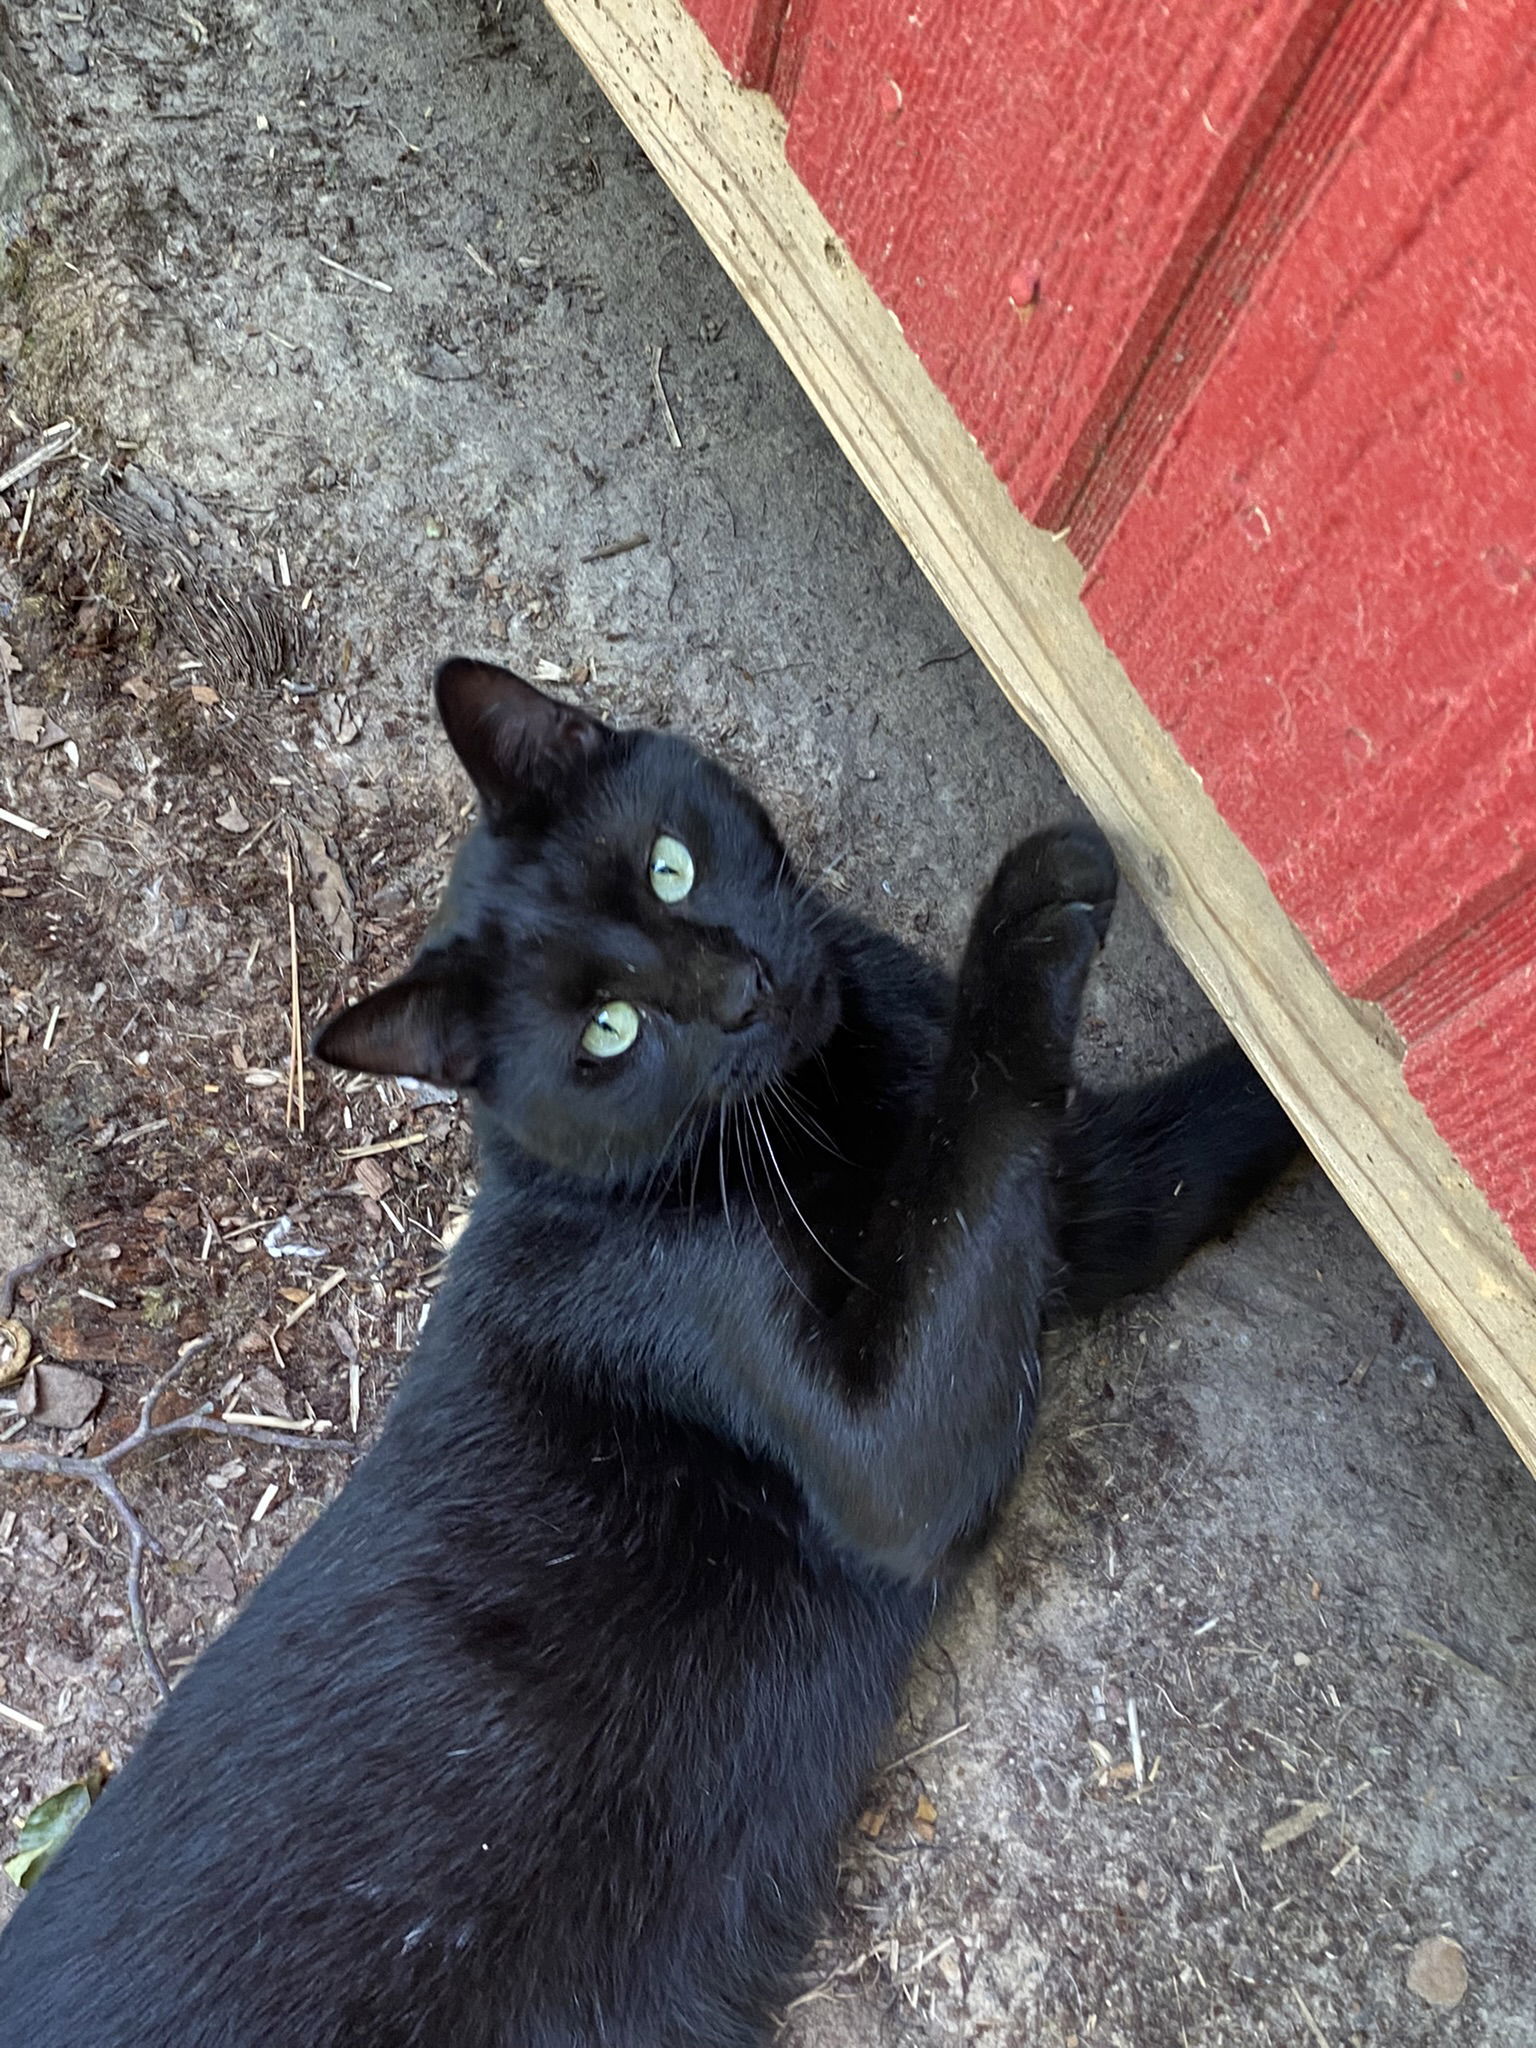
x,y
426,1024
518,745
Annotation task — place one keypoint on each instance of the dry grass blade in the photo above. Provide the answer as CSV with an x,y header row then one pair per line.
x,y
663,401
295,1014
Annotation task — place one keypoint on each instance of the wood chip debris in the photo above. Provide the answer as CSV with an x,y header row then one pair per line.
x,y
1295,1825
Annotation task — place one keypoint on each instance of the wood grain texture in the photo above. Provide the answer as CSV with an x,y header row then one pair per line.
x,y
1327,589
1028,185
1016,594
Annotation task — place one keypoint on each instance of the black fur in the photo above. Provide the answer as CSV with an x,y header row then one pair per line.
x,y
543,1736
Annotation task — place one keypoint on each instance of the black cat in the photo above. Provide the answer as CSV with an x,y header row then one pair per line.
x,y
543,1736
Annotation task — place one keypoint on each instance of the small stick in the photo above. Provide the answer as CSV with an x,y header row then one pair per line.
x,y
10,1281
22,1720
1133,1725
479,261
309,1300
661,393
1306,2012
295,1015
24,824
26,522
384,1145
97,1472
618,547
923,1748
373,283
49,452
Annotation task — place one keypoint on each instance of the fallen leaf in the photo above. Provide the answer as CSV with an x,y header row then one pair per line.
x,y
48,1827
1437,1971
201,694
262,1390
329,894
35,728
58,1397
216,1579
1295,1825
15,1350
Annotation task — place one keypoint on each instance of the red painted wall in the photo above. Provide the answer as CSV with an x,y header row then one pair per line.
x,y
1242,294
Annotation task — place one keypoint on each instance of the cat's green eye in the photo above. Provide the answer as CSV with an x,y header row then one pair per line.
x,y
611,1030
671,869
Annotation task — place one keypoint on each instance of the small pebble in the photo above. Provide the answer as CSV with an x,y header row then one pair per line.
x,y
1437,1971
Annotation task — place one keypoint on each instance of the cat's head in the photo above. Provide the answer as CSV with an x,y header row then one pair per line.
x,y
621,947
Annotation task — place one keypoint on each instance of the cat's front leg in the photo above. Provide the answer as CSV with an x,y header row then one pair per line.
x,y
922,1412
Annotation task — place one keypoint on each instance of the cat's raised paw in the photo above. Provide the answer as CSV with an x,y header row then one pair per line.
x,y
1032,942
1062,876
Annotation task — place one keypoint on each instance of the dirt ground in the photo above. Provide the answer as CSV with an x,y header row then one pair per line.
x,y
353,314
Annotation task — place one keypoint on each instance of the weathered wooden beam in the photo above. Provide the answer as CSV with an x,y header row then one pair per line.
x,y
1014,591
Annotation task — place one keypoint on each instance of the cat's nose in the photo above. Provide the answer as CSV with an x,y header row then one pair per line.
x,y
746,988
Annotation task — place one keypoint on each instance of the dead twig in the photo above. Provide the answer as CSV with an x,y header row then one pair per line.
x,y
11,1280
97,1472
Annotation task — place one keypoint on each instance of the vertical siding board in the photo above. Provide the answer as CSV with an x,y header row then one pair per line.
x,y
744,34
1326,590
1018,179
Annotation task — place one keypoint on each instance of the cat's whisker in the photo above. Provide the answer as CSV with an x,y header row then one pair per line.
x,y
753,1126
794,1106
773,1162
665,1156
725,1197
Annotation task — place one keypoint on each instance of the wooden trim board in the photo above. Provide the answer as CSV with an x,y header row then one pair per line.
x,y
1014,592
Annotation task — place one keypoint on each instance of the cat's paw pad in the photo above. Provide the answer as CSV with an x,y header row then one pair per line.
x,y
1053,881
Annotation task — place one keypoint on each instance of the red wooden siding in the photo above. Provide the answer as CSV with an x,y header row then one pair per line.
x,y
745,34
1326,587
1242,293
1028,186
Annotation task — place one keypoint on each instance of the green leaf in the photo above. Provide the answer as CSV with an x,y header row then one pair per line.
x,y
48,1827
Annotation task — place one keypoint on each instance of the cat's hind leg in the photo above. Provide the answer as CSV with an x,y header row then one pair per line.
x,y
1144,1175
